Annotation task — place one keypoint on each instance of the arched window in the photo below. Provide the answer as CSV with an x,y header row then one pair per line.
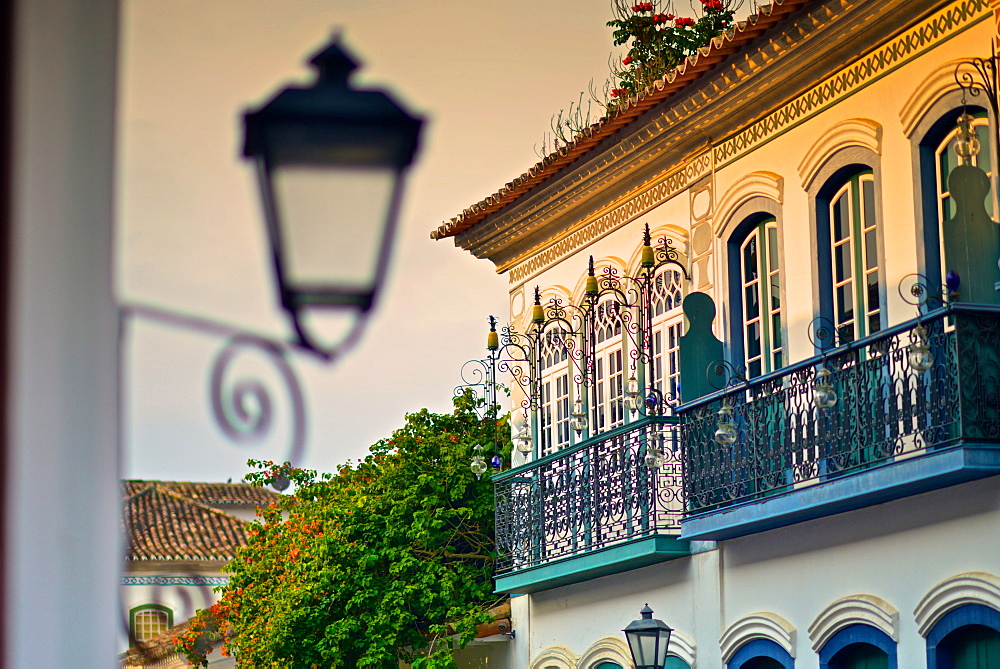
x,y
553,415
761,654
938,158
148,621
851,277
858,647
607,408
755,295
668,320
967,637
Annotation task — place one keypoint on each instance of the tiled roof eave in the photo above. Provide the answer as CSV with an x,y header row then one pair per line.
x,y
708,57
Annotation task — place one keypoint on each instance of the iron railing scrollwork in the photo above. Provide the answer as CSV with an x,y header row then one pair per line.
x,y
884,408
590,496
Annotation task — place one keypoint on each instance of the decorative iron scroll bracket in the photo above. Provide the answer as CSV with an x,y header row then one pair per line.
x,y
978,77
242,409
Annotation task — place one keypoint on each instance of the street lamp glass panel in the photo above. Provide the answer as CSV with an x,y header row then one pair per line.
x,y
334,219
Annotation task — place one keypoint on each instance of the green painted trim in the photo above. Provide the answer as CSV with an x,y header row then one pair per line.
x,y
615,559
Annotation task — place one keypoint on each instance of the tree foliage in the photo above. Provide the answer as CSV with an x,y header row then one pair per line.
x,y
391,558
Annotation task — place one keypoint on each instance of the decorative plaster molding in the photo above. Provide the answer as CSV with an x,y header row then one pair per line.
x,y
974,587
608,649
920,38
755,184
175,580
555,657
856,609
761,625
633,206
938,83
861,132
683,647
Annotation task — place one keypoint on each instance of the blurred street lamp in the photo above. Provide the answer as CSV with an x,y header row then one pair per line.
x,y
331,161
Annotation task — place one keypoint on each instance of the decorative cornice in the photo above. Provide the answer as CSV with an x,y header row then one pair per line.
x,y
974,587
761,625
905,47
937,83
755,184
854,610
175,580
862,132
622,212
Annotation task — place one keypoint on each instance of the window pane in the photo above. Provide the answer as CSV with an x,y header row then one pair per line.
x,y
874,323
843,262
753,339
868,193
750,259
840,217
874,300
776,330
775,292
750,301
871,249
772,248
845,304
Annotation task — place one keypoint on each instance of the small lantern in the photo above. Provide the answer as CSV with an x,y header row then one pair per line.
x,y
725,432
919,356
578,417
522,440
648,639
633,396
824,394
331,160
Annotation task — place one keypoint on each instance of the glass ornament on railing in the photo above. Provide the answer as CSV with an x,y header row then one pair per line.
x,y
496,463
578,417
633,399
919,355
725,432
654,458
824,394
478,465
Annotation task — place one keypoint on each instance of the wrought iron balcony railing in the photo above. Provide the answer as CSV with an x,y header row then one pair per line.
x,y
590,496
923,386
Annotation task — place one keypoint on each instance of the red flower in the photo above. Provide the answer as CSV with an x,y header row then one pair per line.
x,y
684,21
713,4
614,92
626,60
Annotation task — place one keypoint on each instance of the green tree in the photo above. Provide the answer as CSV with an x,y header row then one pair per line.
x,y
391,558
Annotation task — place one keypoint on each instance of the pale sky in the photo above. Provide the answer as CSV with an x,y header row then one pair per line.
x,y
488,76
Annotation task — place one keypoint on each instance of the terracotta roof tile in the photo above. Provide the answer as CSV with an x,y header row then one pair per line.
x,y
213,494
692,68
160,523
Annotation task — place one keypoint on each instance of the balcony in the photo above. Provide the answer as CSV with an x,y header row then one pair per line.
x,y
894,429
589,510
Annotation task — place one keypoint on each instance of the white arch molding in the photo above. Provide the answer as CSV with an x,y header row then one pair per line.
x,y
854,610
762,625
861,132
683,647
973,587
755,184
608,649
938,83
556,657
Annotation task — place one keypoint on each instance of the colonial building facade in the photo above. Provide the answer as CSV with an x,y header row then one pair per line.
x,y
754,346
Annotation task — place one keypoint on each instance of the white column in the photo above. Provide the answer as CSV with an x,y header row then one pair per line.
x,y
61,494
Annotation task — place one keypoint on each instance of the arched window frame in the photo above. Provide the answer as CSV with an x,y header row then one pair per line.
x,y
957,618
845,166
136,610
756,648
757,215
926,136
668,326
554,400
856,634
610,367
